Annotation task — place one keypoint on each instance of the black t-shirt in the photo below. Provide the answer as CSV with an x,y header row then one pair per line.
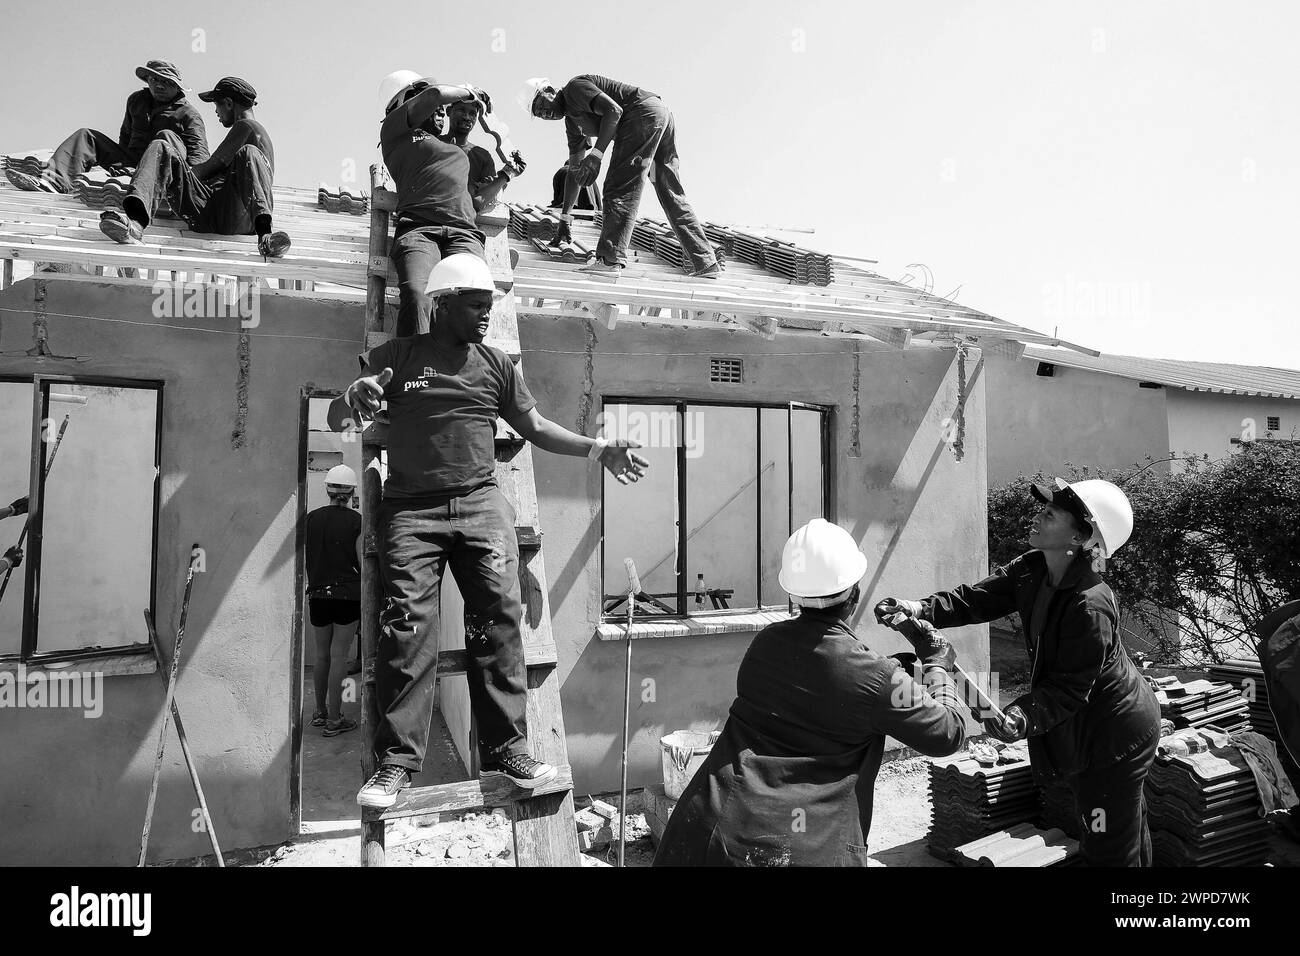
x,y
432,176
332,533
244,132
482,170
443,405
580,120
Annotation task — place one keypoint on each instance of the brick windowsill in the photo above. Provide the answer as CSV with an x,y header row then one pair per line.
x,y
699,625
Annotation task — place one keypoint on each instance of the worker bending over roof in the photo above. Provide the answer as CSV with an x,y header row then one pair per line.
x,y
790,780
644,136
1091,719
160,107
435,213
228,194
445,391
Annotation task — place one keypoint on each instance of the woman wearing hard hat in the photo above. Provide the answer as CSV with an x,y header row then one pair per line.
x,y
333,564
789,781
1090,717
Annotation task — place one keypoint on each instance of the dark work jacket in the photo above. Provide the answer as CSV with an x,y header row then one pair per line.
x,y
1088,707
789,781
145,118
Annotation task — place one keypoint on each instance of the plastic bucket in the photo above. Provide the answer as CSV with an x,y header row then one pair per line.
x,y
683,752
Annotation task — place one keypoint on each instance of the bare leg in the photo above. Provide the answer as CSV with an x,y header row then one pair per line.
x,y
340,644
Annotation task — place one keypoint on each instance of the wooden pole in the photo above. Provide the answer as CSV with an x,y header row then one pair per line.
x,y
167,707
22,535
372,832
190,765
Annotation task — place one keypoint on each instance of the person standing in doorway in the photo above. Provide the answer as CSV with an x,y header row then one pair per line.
x,y
334,595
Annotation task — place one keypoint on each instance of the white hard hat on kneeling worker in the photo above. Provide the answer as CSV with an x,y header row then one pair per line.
x,y
820,564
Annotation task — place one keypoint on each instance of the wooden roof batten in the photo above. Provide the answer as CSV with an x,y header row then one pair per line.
x,y
329,259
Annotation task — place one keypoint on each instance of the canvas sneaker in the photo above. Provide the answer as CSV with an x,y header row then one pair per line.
x,y
273,245
520,768
119,227
30,183
381,790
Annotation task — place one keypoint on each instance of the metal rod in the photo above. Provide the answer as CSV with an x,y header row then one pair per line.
x,y
22,535
633,589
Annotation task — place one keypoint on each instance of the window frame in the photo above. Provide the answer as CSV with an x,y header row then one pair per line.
x,y
29,652
680,405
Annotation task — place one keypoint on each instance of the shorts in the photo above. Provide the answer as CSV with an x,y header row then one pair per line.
x,y
327,611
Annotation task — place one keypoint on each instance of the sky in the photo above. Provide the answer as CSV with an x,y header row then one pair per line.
x,y
1123,174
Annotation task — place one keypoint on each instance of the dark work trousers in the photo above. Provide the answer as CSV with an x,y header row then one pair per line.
x,y
85,149
475,533
647,137
226,206
1112,808
416,250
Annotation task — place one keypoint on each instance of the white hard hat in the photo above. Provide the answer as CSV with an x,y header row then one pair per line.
x,y
393,85
460,272
821,560
528,92
1101,504
341,475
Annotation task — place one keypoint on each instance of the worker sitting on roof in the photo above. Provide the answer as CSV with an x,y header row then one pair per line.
x,y
435,213
445,391
789,782
228,194
644,136
588,196
1091,719
485,183
150,112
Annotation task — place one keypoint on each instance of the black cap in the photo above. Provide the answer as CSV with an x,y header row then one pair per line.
x,y
1065,499
235,88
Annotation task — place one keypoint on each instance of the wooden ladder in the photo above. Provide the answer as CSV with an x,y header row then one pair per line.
x,y
545,833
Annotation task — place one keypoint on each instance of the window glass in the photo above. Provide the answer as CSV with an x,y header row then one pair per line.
x,y
722,503
774,502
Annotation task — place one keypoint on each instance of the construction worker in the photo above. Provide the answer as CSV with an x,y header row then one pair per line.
x,y
160,107
445,391
1090,717
16,507
644,136
435,213
228,194
334,595
789,782
485,183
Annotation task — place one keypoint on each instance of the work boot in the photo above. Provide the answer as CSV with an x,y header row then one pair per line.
x,y
381,790
273,245
318,718
601,268
520,768
120,227
30,183
712,272
341,726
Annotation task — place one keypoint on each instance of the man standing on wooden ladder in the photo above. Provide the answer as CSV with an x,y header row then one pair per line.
x,y
445,391
435,212
159,107
644,136
228,194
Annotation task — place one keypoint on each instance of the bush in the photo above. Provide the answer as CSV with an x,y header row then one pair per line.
x,y
1215,546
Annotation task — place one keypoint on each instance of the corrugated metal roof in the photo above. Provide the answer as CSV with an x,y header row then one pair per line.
x,y
1193,376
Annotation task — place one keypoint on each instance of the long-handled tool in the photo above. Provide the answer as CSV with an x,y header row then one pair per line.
x,y
913,630
633,589
185,743
167,706
22,535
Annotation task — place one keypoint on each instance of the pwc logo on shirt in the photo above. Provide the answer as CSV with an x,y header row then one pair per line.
x,y
421,382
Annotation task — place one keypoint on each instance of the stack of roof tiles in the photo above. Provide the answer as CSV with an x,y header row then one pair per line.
x,y
345,199
95,187
532,222
969,800
784,258
32,163
1202,703
1205,808
1021,846
1247,677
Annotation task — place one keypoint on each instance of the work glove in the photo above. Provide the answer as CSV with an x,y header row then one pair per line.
x,y
563,234
481,96
18,506
1014,727
14,556
588,169
891,606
